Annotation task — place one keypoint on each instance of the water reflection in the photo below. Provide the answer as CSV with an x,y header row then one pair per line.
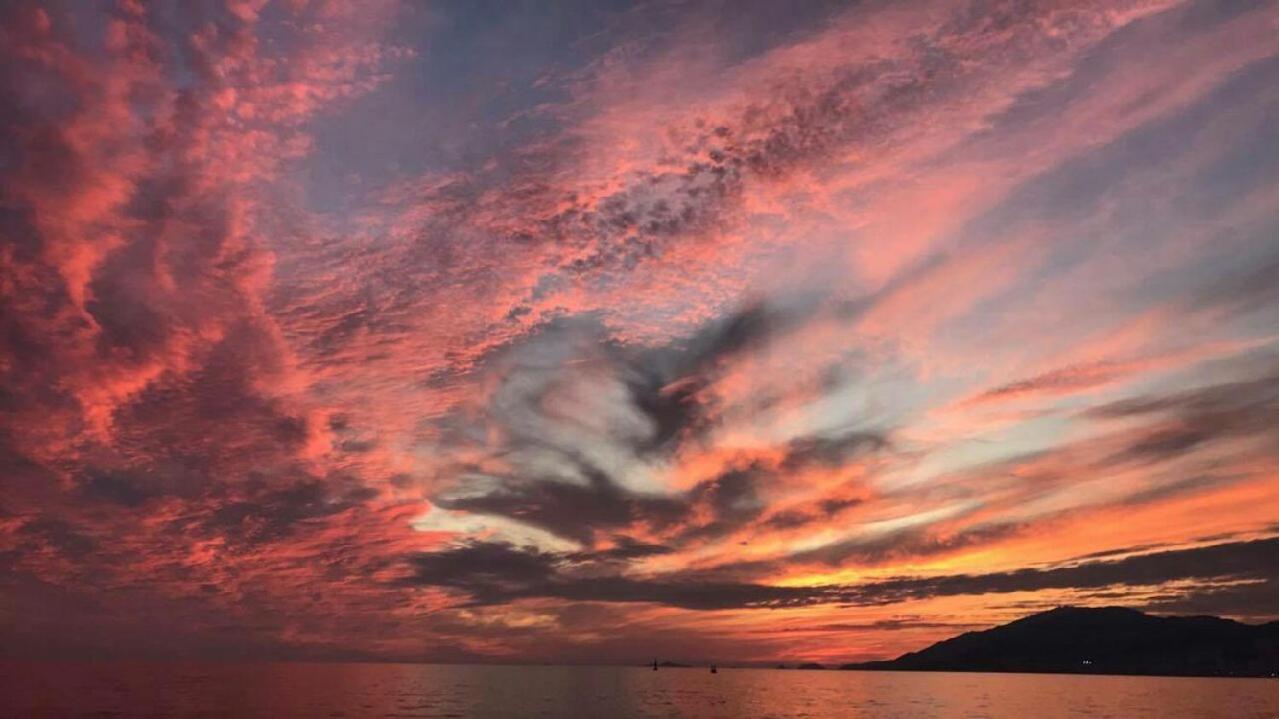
x,y
391,690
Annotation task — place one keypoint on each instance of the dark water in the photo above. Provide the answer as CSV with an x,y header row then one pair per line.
x,y
403,690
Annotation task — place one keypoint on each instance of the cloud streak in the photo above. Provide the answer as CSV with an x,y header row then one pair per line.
x,y
495,573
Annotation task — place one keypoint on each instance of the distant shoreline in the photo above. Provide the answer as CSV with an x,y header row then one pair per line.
x,y
1103,641
16,662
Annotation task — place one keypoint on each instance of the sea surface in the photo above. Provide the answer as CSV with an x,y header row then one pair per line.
x,y
423,690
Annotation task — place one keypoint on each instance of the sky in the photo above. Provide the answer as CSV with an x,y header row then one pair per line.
x,y
590,332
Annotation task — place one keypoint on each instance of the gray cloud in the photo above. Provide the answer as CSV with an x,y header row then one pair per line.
x,y
576,409
496,573
832,451
573,511
1185,421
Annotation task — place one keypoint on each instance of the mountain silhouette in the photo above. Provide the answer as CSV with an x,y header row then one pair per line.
x,y
1106,640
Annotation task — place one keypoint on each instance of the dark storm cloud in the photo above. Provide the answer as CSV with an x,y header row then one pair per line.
x,y
496,573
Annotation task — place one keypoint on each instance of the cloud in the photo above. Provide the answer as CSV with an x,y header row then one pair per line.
x,y
1190,419
569,510
153,407
583,417
1064,380
492,573
907,543
651,315
1233,560
832,451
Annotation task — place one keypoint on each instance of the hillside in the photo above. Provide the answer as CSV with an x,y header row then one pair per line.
x,y
1109,640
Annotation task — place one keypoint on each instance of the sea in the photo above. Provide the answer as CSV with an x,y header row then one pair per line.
x,y
425,690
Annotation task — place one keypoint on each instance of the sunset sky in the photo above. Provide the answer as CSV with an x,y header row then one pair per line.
x,y
593,332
